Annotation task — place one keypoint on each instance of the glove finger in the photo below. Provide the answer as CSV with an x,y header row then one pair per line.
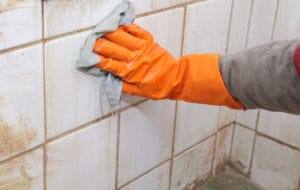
x,y
132,89
125,39
113,66
137,31
111,50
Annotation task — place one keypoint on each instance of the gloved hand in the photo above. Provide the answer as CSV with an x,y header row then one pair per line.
x,y
148,70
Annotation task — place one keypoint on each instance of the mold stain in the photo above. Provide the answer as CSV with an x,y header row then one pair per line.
x,y
9,5
13,141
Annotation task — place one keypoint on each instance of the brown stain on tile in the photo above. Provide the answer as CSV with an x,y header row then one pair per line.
x,y
197,183
12,140
9,5
223,135
16,172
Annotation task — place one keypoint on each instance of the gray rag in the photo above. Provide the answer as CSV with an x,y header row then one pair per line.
x,y
111,86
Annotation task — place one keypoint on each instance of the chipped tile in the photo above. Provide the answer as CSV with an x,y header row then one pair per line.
x,y
275,166
194,123
207,26
223,148
20,22
282,126
156,179
145,138
242,148
85,159
70,15
21,100
193,167
24,172
72,97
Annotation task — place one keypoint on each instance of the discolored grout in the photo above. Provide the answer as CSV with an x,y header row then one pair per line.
x,y
275,20
118,152
249,24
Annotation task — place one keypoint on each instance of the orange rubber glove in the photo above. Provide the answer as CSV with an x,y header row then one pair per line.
x,y
148,70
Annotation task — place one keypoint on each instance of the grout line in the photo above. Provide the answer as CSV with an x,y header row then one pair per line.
x,y
173,145
212,170
236,169
232,141
245,126
86,125
275,20
18,47
229,26
249,24
45,165
141,175
254,143
118,151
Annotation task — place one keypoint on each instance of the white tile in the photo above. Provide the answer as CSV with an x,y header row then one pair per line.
x,y
85,159
275,166
288,20
151,5
145,138
20,22
23,173
207,26
156,179
21,100
242,148
68,15
262,22
282,126
226,117
239,25
223,148
247,118
73,98
194,123
194,166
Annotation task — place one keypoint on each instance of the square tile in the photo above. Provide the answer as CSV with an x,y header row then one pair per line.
x,y
24,172
145,138
151,5
21,100
193,166
223,147
226,117
73,97
282,126
275,166
239,25
262,22
20,22
242,148
207,26
69,15
194,123
288,20
85,159
156,179
248,118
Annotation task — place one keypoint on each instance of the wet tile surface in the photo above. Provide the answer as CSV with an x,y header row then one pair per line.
x,y
21,101
85,159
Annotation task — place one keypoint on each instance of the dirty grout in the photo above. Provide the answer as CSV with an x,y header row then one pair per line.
x,y
118,152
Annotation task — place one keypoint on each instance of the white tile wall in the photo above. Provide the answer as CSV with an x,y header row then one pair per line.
x,y
85,159
282,126
145,138
288,20
193,166
20,22
194,123
262,22
226,117
247,118
223,148
72,97
239,25
242,148
156,179
23,173
151,5
21,100
207,26
69,15
275,166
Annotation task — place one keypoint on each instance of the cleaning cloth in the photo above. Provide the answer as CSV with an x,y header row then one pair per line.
x,y
111,86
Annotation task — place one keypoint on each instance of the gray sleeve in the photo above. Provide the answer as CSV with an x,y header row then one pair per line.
x,y
264,77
